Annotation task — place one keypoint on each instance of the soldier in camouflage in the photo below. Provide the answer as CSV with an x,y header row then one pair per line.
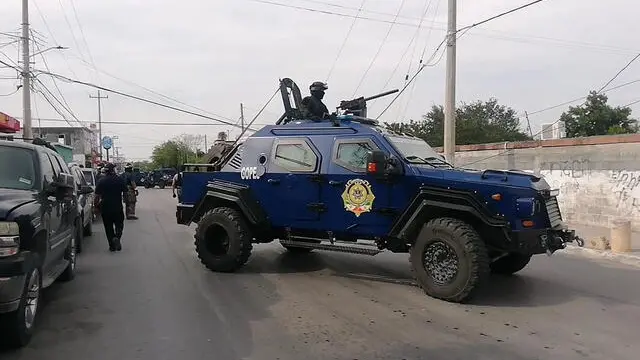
x,y
130,197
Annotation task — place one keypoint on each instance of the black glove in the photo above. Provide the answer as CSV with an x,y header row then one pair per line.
x,y
174,195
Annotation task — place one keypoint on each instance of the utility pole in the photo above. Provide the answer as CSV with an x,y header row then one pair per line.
x,y
206,149
526,115
99,119
242,117
450,87
26,75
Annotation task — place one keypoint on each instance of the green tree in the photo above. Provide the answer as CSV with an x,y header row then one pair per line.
x,y
144,165
596,117
180,150
476,123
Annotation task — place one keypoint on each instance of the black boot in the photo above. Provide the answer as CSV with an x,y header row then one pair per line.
x,y
117,244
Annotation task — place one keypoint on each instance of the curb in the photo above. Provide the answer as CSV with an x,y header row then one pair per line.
x,y
627,259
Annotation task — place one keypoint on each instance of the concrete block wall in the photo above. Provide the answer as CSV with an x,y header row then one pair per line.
x,y
598,177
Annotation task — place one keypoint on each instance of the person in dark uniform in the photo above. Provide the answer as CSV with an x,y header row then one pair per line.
x,y
313,107
109,192
129,198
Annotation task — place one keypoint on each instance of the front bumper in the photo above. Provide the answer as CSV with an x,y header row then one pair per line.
x,y
13,272
11,292
540,241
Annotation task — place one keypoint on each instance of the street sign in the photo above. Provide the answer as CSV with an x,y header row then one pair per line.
x,y
107,142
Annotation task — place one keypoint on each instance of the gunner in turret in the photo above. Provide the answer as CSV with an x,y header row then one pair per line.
x,y
313,107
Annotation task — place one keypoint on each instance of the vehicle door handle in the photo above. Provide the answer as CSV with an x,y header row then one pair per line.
x,y
274,181
335,183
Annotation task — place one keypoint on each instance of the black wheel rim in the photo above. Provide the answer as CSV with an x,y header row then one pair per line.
x,y
441,262
217,240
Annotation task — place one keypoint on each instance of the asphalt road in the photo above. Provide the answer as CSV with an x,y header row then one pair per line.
x,y
155,301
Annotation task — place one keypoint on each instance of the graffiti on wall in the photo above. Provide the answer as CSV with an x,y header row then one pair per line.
x,y
626,187
570,168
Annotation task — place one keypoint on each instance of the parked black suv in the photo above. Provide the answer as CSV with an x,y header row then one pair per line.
x,y
39,227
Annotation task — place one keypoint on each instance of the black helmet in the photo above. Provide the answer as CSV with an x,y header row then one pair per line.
x,y
128,166
110,166
318,86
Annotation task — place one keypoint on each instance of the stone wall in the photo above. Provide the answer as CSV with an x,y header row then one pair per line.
x,y
598,177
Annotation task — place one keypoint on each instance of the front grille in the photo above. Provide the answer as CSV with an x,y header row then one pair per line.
x,y
553,210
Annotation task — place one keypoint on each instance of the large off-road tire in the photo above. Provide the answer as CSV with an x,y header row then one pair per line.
x,y
17,326
71,254
510,264
223,240
161,184
449,259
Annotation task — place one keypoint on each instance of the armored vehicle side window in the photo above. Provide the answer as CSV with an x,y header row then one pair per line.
x,y
295,155
351,154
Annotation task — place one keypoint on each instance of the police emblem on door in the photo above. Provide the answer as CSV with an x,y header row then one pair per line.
x,y
358,196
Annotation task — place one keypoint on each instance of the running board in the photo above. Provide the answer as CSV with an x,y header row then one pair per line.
x,y
54,272
332,247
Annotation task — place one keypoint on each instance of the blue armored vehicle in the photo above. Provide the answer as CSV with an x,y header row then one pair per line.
x,y
347,184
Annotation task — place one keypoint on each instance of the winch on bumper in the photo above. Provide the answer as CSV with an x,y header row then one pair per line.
x,y
539,241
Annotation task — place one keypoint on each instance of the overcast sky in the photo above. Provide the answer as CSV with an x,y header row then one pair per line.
x,y
215,54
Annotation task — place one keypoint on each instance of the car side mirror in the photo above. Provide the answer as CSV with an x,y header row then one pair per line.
x,y
377,162
64,181
86,189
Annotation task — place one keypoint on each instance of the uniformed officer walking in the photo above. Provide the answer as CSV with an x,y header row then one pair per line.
x,y
130,197
109,192
313,107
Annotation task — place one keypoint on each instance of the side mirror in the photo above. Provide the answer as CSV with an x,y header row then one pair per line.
x,y
64,181
86,190
377,162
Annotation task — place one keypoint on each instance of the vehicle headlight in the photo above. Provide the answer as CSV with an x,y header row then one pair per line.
x,y
527,207
9,238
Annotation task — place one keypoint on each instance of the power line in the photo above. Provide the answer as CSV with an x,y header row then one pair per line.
x,y
346,38
384,41
46,25
632,103
499,15
555,106
11,93
155,92
160,123
66,105
464,30
67,79
619,72
413,38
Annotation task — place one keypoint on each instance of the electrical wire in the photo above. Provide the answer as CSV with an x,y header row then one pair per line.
x,y
67,79
620,72
555,106
11,93
66,105
413,39
464,30
632,103
346,38
384,41
154,92
53,106
46,25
